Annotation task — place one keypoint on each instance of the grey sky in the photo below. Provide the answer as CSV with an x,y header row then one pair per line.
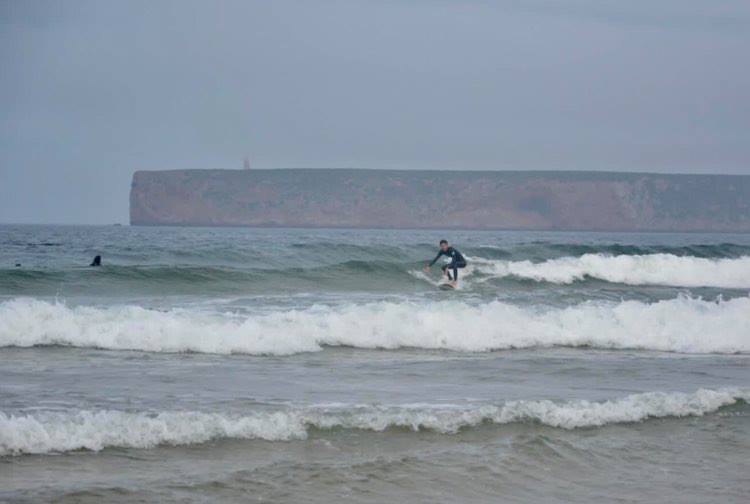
x,y
92,90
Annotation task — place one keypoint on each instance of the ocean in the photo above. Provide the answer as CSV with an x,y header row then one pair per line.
x,y
299,365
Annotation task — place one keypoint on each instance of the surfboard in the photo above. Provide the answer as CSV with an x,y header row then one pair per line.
x,y
446,286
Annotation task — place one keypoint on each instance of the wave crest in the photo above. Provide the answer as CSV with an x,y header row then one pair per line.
x,y
652,269
46,432
684,325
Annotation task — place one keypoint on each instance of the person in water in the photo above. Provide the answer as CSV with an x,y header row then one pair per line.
x,y
457,261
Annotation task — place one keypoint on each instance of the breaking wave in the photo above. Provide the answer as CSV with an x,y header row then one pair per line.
x,y
397,273
45,432
683,325
652,269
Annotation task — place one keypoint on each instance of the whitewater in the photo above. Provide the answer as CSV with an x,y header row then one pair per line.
x,y
651,269
683,325
48,432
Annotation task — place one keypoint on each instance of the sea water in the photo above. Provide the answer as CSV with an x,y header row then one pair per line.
x,y
286,365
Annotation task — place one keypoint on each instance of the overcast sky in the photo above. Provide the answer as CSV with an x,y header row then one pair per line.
x,y
91,91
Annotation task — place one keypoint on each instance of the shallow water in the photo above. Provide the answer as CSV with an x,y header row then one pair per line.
x,y
317,365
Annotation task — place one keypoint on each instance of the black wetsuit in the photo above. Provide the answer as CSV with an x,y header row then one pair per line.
x,y
457,261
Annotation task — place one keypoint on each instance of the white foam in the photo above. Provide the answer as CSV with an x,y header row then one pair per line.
x,y
651,269
684,325
96,430
421,275
45,432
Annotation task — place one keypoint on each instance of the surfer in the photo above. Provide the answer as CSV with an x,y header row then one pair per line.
x,y
457,261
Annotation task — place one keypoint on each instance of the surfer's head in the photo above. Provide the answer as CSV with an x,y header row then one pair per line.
x,y
444,245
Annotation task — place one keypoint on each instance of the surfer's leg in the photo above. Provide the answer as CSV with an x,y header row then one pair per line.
x,y
455,266
446,272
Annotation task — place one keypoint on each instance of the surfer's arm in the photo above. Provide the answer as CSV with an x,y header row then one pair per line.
x,y
436,258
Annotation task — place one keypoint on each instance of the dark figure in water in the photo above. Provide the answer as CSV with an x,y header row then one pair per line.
x,y
97,261
457,261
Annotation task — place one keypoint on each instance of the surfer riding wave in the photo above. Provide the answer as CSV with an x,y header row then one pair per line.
x,y
457,261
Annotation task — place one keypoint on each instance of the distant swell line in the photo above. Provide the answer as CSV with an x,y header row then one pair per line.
x,y
190,274
683,325
46,432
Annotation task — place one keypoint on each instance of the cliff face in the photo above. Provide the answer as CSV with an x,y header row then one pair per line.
x,y
440,199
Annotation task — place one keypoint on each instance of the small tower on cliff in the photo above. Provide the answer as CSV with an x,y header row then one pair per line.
x,y
246,163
